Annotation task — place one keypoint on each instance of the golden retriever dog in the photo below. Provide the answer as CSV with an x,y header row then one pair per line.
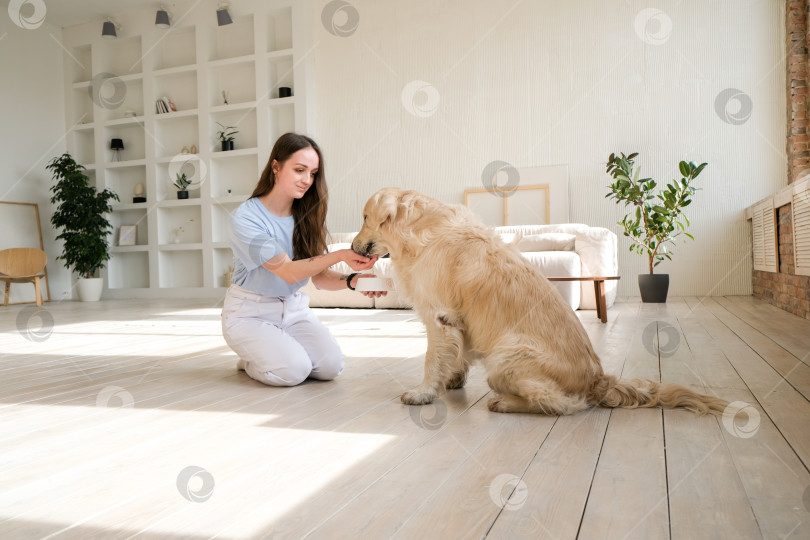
x,y
479,298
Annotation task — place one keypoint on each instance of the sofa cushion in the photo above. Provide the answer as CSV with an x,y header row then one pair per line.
x,y
547,242
560,264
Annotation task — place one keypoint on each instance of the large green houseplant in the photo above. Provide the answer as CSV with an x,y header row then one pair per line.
x,y
656,219
79,215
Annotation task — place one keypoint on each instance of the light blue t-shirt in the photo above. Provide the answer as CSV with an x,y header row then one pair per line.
x,y
256,236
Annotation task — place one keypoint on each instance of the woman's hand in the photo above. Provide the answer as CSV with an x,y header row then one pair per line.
x,y
370,294
357,262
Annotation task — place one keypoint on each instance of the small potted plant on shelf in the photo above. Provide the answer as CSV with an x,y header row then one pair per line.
x,y
79,214
226,136
657,219
182,184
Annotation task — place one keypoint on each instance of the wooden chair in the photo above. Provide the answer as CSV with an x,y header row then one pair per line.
x,y
22,265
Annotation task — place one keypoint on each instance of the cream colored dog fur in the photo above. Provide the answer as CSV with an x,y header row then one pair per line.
x,y
480,299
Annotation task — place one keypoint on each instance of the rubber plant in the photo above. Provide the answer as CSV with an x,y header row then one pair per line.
x,y
657,219
79,215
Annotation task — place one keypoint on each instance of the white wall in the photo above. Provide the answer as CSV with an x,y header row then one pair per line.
x,y
547,82
32,110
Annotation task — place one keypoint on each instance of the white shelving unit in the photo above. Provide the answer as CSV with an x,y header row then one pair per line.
x,y
111,87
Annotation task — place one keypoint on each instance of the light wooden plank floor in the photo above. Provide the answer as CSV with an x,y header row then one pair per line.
x,y
128,419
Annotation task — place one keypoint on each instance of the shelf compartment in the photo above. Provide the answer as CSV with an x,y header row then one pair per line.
x,y
280,73
80,60
166,173
180,268
82,105
178,225
180,88
220,220
223,260
122,56
122,180
114,105
233,40
242,120
238,80
176,48
239,174
279,29
81,145
280,120
128,269
130,217
172,134
133,138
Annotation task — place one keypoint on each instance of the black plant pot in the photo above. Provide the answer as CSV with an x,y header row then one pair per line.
x,y
227,145
182,194
653,287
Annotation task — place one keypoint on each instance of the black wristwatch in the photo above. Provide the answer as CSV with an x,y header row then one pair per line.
x,y
349,280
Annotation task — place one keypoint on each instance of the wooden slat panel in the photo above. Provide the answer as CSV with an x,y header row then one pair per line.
x,y
765,237
759,246
801,227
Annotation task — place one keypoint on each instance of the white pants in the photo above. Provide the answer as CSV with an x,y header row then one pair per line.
x,y
279,340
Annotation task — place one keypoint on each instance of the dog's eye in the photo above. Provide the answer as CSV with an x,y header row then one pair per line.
x,y
365,218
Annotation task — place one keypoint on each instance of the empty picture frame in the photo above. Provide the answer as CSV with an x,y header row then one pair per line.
x,y
525,205
21,228
529,203
127,235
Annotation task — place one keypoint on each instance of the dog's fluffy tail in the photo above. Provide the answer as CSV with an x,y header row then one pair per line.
x,y
613,392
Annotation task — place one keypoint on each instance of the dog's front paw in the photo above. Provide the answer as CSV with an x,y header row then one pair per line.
x,y
417,397
497,404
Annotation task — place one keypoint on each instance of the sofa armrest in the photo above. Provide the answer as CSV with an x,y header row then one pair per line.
x,y
597,249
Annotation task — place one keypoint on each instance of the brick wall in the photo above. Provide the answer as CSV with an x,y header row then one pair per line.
x,y
784,289
798,148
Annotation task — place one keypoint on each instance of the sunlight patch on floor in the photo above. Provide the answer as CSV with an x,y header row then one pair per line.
x,y
173,471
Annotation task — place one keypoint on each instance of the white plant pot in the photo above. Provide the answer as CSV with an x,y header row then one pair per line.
x,y
90,289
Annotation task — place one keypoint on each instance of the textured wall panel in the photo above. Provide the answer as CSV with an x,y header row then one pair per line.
x,y
547,82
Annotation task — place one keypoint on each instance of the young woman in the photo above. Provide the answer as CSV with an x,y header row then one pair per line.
x,y
278,238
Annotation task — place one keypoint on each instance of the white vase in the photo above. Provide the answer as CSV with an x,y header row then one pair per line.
x,y
90,289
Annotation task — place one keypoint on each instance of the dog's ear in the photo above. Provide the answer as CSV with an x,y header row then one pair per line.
x,y
387,206
411,206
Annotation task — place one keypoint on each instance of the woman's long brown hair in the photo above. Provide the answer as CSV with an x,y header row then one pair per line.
x,y
309,212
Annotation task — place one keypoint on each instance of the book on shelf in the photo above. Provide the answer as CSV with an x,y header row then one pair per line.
x,y
164,105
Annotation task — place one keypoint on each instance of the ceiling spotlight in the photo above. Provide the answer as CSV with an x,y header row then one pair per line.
x,y
108,31
223,17
163,19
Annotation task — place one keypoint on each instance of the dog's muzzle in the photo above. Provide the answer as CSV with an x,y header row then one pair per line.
x,y
365,250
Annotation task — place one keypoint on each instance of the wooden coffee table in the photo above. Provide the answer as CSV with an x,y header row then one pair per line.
x,y
599,289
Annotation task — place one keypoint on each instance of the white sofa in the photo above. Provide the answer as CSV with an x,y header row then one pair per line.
x,y
565,250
